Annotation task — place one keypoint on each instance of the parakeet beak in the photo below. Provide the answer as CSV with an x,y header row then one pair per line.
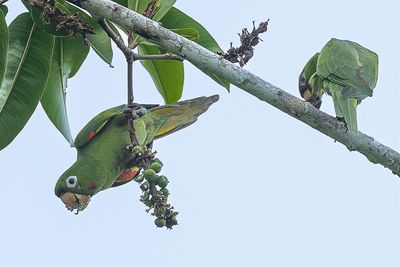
x,y
75,201
315,100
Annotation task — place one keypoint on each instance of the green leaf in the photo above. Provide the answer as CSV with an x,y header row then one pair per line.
x,y
4,9
138,5
29,59
188,33
101,44
168,75
176,19
114,28
163,7
121,2
3,45
68,56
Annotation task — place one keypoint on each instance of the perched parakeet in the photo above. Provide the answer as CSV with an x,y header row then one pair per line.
x,y
346,71
104,160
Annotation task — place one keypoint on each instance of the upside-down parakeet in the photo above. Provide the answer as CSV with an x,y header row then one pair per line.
x,y
346,71
104,159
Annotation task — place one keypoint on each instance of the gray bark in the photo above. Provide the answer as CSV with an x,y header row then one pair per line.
x,y
204,59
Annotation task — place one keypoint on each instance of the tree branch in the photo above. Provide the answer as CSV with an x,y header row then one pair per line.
x,y
159,57
204,59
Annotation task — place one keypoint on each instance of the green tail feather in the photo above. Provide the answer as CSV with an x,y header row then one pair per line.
x,y
346,108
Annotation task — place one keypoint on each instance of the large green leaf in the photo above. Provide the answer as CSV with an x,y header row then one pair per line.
x,y
4,9
3,45
121,2
29,59
101,44
168,75
68,56
163,7
188,33
176,19
138,5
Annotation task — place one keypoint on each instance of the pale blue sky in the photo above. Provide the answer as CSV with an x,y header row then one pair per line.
x,y
253,186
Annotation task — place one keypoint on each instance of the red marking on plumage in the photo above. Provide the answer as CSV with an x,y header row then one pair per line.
x,y
127,175
92,186
91,135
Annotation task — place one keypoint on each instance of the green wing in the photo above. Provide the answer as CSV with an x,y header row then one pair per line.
x,y
339,61
369,61
167,119
94,126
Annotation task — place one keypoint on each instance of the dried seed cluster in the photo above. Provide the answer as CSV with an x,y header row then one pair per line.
x,y
72,23
248,41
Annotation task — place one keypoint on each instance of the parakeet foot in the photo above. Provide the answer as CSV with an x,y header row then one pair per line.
x,y
138,110
342,120
316,101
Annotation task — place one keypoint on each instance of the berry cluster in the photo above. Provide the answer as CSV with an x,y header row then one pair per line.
x,y
154,190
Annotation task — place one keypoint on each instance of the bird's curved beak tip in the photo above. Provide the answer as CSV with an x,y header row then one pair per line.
x,y
74,201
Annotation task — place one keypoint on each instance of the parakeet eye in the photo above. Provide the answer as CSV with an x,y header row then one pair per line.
x,y
303,79
71,181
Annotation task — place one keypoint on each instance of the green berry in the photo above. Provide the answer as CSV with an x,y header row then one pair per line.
x,y
145,186
137,150
160,222
139,178
158,161
162,181
164,191
150,175
156,167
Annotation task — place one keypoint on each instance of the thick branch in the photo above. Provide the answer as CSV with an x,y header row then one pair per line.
x,y
204,59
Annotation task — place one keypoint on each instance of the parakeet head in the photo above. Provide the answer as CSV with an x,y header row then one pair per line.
x,y
78,184
304,82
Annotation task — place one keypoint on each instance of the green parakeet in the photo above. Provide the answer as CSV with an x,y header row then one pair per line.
x,y
346,71
104,160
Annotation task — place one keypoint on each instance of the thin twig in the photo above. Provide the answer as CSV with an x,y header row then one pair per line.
x,y
158,57
116,39
129,60
128,52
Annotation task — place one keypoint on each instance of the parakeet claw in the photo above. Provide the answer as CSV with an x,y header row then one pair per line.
x,y
137,110
343,120
315,100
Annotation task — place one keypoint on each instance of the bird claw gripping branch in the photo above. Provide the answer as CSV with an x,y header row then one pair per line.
x,y
248,41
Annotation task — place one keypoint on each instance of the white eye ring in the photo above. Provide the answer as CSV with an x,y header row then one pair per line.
x,y
71,181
